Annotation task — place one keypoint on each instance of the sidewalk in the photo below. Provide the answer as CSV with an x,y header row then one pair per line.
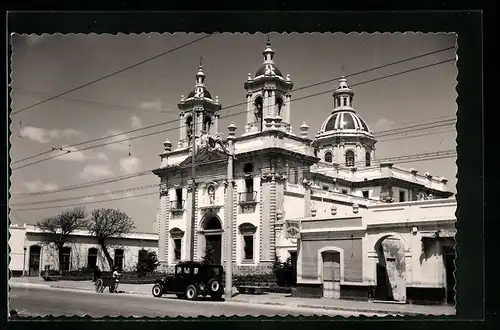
x,y
263,299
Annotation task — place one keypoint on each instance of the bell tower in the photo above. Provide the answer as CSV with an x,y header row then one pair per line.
x,y
199,113
268,97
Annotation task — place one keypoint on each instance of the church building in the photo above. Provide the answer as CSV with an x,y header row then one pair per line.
x,y
322,200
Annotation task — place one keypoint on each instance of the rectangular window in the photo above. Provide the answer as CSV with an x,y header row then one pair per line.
x,y
325,187
177,249
366,194
178,194
92,258
402,196
344,191
65,258
248,247
119,258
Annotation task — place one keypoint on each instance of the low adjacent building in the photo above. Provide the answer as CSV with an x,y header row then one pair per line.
x,y
31,253
393,251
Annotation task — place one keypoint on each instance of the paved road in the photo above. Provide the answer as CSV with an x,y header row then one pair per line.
x,y
57,302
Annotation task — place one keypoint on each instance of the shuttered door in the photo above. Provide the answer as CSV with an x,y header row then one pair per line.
x,y
328,275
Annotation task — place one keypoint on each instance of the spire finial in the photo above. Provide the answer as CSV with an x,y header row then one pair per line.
x,y
201,61
268,40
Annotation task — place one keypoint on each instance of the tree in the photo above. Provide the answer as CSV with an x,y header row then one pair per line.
x,y
208,258
107,223
60,227
148,261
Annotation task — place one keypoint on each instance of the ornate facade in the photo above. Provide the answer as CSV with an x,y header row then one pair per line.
x,y
279,177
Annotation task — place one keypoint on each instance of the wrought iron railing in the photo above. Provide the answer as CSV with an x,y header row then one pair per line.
x,y
247,197
177,205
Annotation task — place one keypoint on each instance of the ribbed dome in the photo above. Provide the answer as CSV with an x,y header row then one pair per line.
x,y
271,68
344,121
205,93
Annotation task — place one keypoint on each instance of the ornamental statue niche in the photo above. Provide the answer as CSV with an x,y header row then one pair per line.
x,y
211,194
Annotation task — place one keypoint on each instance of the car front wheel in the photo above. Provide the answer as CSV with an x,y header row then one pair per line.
x,y
157,290
191,292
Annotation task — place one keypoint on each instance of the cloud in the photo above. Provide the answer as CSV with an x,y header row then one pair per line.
x,y
95,171
130,164
36,186
382,124
102,156
152,105
136,122
42,135
118,146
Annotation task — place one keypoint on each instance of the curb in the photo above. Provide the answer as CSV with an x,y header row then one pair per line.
x,y
27,285
254,302
339,308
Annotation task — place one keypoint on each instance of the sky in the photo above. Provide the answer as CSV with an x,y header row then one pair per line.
x,y
48,65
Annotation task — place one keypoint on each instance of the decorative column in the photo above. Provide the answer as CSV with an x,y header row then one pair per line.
x,y
286,106
182,125
250,111
216,122
307,197
268,214
304,130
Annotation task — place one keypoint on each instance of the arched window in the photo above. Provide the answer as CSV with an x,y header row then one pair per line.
x,y
349,158
368,159
189,128
207,123
279,105
258,112
92,258
328,157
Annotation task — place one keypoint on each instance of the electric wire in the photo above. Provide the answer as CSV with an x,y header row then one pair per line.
x,y
111,74
226,116
243,103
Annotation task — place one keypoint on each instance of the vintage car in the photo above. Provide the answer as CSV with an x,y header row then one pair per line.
x,y
190,280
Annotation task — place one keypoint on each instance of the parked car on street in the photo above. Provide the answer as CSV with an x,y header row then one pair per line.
x,y
190,280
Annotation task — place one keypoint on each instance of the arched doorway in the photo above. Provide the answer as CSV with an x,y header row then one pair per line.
x,y
34,261
211,230
390,269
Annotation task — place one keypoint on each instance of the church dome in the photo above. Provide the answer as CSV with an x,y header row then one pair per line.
x,y
344,121
268,68
206,93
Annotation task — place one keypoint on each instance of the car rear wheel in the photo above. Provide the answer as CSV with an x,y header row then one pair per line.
x,y
214,285
157,290
98,285
191,292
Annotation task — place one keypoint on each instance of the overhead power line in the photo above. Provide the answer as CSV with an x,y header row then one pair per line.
x,y
111,74
155,192
226,116
397,159
243,103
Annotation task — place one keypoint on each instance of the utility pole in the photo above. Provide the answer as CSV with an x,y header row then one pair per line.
x,y
229,220
193,186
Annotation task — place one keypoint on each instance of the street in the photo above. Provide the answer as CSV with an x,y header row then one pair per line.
x,y
58,302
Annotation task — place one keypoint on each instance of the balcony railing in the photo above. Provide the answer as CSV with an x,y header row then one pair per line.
x,y
177,206
247,197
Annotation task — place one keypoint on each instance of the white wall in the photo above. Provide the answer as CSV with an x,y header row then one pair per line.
x,y
16,244
24,237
